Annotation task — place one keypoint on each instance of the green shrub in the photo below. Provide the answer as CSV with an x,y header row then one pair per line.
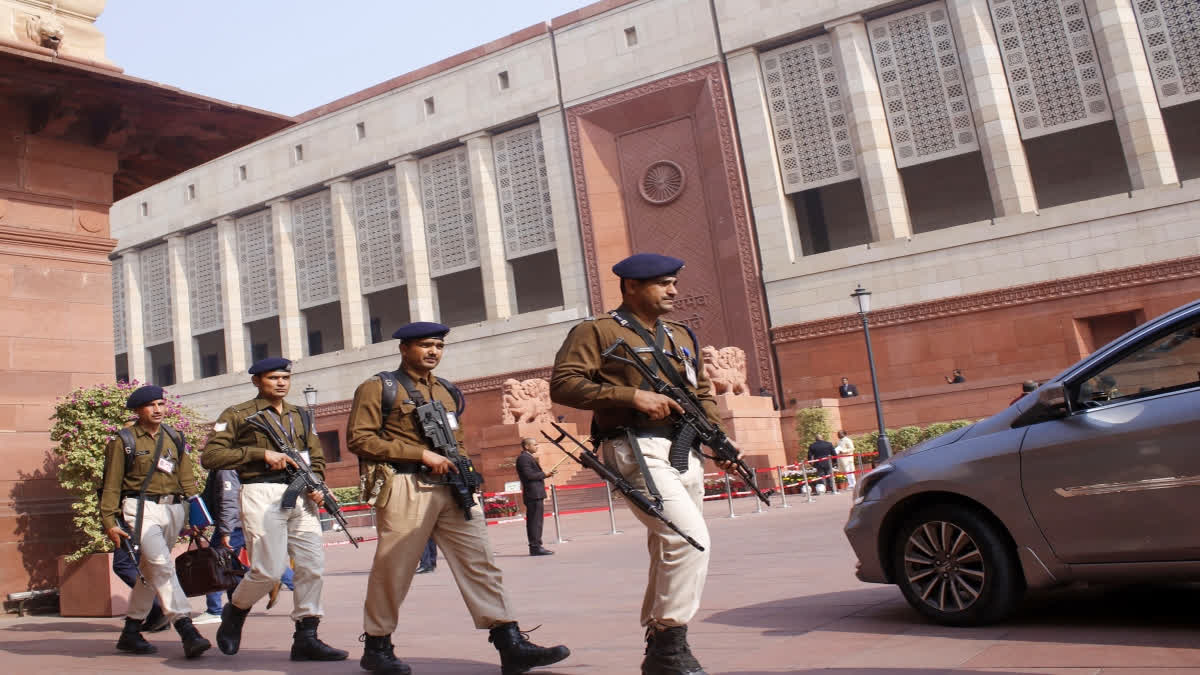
x,y
346,495
904,438
84,422
809,423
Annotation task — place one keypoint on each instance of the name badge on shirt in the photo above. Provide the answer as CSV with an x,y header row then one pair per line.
x,y
690,371
453,419
166,465
307,457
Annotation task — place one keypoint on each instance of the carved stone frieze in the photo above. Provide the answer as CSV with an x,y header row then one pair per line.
x,y
525,401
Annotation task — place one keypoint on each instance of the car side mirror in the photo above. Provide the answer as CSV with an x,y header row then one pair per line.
x,y
1051,404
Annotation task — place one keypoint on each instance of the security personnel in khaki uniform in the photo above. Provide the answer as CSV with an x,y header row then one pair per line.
x,y
272,532
624,409
156,454
408,510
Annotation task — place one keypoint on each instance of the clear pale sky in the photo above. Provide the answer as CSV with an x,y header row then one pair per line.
x,y
288,56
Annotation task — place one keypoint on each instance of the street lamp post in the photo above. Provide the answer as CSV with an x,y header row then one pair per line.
x,y
310,396
862,297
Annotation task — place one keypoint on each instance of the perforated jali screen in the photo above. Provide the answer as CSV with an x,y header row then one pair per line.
x,y
449,214
808,115
118,303
921,79
204,281
524,192
377,224
256,266
156,296
1171,35
316,257
1051,64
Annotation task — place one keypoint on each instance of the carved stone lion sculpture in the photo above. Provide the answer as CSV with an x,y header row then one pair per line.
x,y
726,369
527,401
46,31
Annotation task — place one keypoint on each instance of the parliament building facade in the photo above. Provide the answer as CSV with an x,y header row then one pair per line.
x,y
1014,180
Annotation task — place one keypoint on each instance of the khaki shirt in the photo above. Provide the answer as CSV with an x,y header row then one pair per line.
x,y
237,445
582,378
116,481
401,438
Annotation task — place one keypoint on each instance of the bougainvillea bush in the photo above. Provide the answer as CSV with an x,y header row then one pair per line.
x,y
84,422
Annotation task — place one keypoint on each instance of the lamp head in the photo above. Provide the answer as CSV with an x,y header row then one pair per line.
x,y
310,396
862,297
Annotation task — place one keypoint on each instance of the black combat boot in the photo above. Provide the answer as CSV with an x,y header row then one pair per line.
x,y
194,643
229,635
539,550
131,639
380,657
667,653
306,646
518,654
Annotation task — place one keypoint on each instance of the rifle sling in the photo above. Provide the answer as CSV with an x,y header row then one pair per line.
x,y
141,506
636,449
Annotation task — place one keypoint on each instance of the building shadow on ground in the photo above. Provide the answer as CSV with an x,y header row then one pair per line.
x,y
1155,615
872,671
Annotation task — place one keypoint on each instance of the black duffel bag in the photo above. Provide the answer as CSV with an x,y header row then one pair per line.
x,y
205,569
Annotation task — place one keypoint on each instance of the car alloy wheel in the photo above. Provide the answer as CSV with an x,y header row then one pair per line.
x,y
945,566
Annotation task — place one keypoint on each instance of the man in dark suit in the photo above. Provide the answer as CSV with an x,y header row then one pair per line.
x,y
533,491
847,390
822,450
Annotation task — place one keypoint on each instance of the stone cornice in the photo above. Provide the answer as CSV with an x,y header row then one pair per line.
x,y
1126,277
27,241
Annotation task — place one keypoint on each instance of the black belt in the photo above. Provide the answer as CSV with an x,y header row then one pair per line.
x,y
649,431
277,477
157,499
406,467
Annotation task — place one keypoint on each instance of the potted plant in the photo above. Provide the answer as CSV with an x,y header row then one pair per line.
x,y
85,421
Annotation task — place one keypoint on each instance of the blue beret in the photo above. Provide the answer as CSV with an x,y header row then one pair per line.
x,y
143,395
269,364
647,266
420,330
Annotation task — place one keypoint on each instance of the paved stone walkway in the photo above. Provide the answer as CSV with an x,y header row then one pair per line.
x,y
782,598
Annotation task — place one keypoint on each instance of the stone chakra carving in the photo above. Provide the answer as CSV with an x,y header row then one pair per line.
x,y
1051,64
1171,35
662,182
726,369
922,85
808,115
525,401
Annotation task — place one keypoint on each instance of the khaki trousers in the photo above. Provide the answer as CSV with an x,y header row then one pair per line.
x,y
161,524
677,569
411,513
274,533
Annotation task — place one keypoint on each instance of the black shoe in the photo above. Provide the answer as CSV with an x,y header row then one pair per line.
x,y
539,550
518,654
155,621
229,635
131,639
422,569
667,653
194,643
380,657
306,646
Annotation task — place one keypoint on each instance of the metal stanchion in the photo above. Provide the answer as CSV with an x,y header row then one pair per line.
x,y
782,488
757,501
557,524
808,486
833,476
729,496
612,515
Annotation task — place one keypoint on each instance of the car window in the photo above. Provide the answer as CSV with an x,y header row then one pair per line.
x,y
1167,361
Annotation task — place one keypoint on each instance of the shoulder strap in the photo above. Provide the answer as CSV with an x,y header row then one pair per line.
x,y
695,345
127,440
660,359
306,420
176,438
409,388
460,401
387,397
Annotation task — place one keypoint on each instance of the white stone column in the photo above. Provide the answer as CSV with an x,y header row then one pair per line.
x,y
774,216
499,293
231,297
571,271
1131,91
422,304
181,309
291,322
135,343
887,208
1004,158
355,321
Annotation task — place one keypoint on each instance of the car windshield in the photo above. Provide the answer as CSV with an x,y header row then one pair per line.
x,y
1168,361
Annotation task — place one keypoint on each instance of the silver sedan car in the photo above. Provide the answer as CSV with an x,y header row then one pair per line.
x,y
1094,476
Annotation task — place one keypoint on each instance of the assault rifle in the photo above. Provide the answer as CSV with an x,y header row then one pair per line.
x,y
302,477
133,550
588,459
693,424
464,480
